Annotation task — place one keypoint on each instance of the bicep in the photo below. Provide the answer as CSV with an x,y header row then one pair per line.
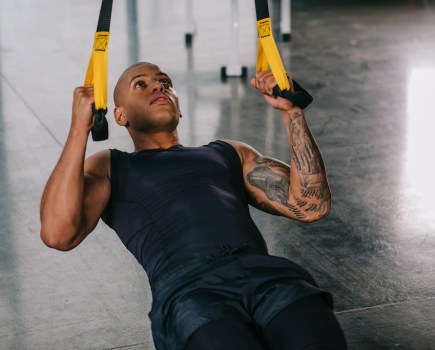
x,y
266,177
96,197
267,181
96,189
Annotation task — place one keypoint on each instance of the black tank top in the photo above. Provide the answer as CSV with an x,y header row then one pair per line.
x,y
170,207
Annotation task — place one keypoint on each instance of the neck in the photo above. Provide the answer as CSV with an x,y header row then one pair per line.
x,y
160,140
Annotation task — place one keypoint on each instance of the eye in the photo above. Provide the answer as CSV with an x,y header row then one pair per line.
x,y
140,84
166,83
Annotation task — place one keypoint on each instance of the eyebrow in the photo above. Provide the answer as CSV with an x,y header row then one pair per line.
x,y
144,75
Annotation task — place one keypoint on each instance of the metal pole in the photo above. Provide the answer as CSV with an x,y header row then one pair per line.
x,y
286,20
133,32
234,69
190,25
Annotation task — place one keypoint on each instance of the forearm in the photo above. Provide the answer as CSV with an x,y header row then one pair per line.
x,y
62,200
300,191
309,189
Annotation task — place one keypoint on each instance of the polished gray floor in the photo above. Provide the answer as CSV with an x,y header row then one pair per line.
x,y
371,68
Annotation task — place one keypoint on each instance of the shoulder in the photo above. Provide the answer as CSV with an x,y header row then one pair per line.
x,y
98,164
246,152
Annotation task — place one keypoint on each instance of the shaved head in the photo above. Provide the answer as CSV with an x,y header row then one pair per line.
x,y
117,93
145,101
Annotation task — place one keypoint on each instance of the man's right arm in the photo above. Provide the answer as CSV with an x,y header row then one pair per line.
x,y
77,192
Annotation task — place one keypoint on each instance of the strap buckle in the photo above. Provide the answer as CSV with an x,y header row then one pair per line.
x,y
300,97
100,130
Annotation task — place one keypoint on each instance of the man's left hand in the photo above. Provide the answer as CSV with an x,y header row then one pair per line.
x,y
265,82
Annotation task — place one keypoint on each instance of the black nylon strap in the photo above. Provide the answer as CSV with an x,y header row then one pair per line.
x,y
105,16
100,130
300,97
262,9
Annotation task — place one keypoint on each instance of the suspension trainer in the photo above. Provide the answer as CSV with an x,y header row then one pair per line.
x,y
97,72
268,55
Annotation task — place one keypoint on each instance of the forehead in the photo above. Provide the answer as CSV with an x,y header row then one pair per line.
x,y
142,69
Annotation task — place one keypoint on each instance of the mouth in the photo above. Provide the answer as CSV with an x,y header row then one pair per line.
x,y
161,99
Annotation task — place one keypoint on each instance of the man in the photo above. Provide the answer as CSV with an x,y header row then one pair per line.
x,y
183,212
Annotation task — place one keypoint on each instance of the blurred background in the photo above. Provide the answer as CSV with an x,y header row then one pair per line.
x,y
370,66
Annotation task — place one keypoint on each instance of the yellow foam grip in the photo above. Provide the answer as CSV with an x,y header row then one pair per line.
x,y
97,69
268,54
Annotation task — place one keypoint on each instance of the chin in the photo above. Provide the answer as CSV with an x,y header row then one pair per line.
x,y
163,124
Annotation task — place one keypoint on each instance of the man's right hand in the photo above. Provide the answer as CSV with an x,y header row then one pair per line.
x,y
77,192
82,113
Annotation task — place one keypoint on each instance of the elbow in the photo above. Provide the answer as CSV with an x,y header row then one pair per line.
x,y
323,210
308,213
314,218
56,241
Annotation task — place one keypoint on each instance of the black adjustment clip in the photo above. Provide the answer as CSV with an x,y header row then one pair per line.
x,y
100,130
300,97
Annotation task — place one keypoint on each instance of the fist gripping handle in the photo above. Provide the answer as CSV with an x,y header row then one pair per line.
x,y
100,130
268,57
299,97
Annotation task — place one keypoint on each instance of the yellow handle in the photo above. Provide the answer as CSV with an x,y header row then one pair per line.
x,y
97,69
268,54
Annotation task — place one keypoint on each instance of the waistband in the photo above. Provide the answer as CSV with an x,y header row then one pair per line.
x,y
225,254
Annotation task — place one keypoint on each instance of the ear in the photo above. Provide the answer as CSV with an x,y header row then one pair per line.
x,y
120,116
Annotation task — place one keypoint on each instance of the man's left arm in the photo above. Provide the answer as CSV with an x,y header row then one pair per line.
x,y
300,190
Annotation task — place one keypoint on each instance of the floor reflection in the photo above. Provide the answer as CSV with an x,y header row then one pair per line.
x,y
371,118
10,301
420,151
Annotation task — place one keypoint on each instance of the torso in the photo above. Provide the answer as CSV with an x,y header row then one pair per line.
x,y
173,206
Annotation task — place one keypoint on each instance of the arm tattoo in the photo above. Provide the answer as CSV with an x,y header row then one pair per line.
x,y
301,203
306,157
273,184
296,211
266,207
321,209
315,191
303,149
272,178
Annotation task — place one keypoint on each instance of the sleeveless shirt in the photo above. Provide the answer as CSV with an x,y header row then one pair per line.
x,y
172,206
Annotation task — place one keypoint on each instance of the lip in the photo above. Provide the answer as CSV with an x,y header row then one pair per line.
x,y
161,98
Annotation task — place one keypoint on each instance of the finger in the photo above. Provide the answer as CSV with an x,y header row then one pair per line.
x,y
254,82
269,83
265,83
258,81
89,90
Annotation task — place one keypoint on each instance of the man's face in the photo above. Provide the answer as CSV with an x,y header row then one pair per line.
x,y
148,99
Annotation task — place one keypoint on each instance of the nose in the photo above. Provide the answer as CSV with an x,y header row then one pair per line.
x,y
159,86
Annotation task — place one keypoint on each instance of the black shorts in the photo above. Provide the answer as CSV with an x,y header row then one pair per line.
x,y
249,288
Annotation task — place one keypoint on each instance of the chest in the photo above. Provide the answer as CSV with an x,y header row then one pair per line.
x,y
178,170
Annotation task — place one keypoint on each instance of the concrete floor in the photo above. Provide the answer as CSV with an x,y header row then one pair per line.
x,y
370,66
